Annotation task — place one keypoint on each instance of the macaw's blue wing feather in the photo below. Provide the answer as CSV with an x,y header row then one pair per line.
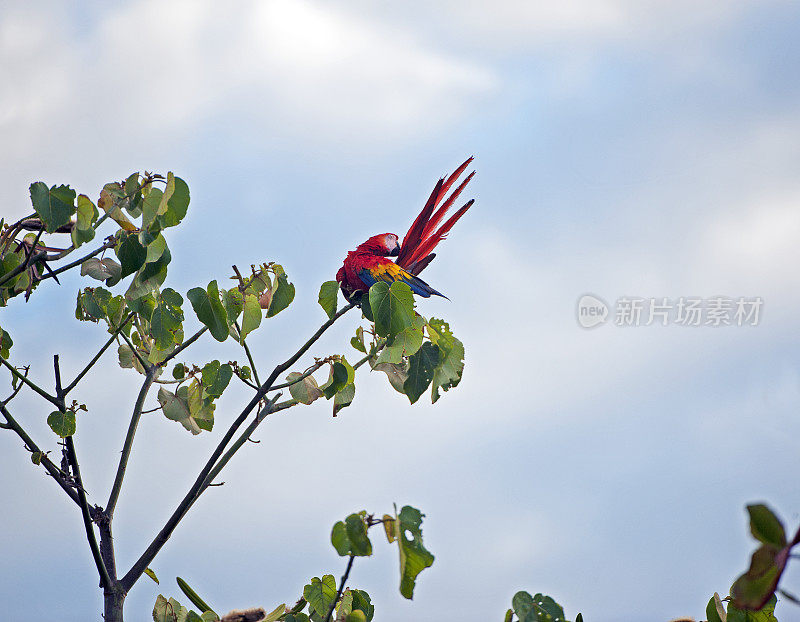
x,y
390,272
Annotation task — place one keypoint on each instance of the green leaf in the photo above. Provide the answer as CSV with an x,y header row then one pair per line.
x,y
193,597
306,390
36,457
712,611
336,382
127,359
209,310
450,367
62,423
349,537
754,588
420,371
165,324
216,377
5,344
345,605
764,614
150,207
169,610
251,317
54,206
87,214
174,203
765,526
151,276
149,572
362,602
114,269
233,302
414,557
111,197
397,374
131,254
344,398
275,614
95,268
407,342
282,297
328,297
94,302
320,594
392,306
187,407
358,341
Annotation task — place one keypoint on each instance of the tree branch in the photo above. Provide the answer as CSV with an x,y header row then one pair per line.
x,y
341,588
126,448
37,389
105,580
145,365
72,457
110,243
183,346
51,468
161,538
30,260
249,356
98,355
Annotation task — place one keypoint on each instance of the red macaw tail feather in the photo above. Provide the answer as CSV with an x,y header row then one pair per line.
x,y
441,233
418,242
414,236
437,217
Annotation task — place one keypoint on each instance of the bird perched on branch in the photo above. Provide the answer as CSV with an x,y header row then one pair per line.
x,y
369,263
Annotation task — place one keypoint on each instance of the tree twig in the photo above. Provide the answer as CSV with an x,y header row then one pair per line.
x,y
110,243
36,388
126,448
182,347
247,352
341,588
97,356
105,580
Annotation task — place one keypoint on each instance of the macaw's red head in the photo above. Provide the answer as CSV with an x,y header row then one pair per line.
x,y
383,244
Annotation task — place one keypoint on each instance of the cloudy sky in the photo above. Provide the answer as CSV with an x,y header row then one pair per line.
x,y
623,148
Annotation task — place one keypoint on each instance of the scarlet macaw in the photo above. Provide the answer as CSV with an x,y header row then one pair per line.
x,y
368,264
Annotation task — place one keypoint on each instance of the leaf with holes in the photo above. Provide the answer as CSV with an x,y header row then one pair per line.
x,y
414,557
62,423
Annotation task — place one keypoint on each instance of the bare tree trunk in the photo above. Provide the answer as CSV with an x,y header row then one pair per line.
x,y
114,600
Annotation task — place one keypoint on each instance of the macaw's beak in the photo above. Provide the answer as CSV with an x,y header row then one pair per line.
x,y
395,251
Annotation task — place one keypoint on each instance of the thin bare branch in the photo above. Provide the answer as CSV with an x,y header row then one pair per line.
x,y
126,448
105,580
182,347
109,243
50,398
97,356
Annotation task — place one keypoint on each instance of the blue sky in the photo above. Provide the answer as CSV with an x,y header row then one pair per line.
x,y
622,148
